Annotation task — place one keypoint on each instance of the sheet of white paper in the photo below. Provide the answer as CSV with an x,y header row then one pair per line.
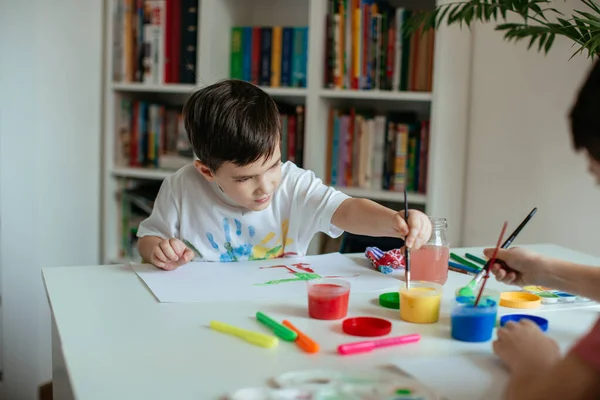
x,y
280,277
461,377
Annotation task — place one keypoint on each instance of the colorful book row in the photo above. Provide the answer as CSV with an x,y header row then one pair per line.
x,y
136,202
292,133
377,152
152,136
366,48
274,56
155,41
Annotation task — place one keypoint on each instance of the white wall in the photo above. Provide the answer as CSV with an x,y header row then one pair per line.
x,y
50,105
519,143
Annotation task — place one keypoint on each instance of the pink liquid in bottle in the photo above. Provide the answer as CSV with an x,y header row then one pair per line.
x,y
430,263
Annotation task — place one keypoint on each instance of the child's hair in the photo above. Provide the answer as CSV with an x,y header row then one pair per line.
x,y
231,121
585,115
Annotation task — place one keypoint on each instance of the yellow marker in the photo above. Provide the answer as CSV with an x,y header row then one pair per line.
x,y
257,338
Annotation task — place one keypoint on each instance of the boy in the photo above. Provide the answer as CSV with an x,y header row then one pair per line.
x,y
538,371
239,202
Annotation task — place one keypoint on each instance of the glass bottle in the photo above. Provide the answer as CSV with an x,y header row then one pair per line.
x,y
430,262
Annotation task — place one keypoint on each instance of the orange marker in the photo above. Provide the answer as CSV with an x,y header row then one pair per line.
x,y
303,341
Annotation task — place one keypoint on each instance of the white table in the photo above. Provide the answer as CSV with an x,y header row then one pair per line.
x,y
113,340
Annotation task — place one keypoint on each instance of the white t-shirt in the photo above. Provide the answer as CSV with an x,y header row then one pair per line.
x,y
199,213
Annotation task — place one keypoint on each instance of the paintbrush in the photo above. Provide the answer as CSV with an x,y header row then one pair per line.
x,y
470,288
406,249
492,260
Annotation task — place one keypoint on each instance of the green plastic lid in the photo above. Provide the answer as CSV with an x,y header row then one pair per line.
x,y
390,300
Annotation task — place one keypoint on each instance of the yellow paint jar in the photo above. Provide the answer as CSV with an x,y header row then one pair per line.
x,y
421,303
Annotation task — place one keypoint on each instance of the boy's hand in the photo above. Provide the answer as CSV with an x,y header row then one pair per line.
x,y
524,267
524,348
171,253
418,230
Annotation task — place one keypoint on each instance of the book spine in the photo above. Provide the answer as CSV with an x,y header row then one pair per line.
x,y
189,39
265,56
276,56
247,53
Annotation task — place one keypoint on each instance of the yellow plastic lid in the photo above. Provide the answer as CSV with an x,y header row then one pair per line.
x,y
520,300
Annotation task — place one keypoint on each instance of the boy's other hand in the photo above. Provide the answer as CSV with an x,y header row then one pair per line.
x,y
418,230
170,254
518,267
524,348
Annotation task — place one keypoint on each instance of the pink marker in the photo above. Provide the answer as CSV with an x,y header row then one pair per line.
x,y
368,345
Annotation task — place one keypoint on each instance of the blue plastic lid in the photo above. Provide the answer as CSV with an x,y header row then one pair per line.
x,y
541,322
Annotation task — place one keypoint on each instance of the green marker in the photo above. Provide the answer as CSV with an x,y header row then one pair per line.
x,y
278,329
464,261
476,259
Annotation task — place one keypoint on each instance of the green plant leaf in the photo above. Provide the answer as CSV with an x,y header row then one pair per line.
x,y
582,27
549,42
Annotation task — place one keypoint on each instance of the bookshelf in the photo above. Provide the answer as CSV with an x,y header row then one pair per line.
x,y
445,106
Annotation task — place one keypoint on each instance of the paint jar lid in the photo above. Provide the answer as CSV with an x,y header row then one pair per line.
x,y
390,300
366,326
541,322
520,300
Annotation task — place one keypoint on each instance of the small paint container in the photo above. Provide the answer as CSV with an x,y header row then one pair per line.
x,y
470,323
421,303
328,298
541,322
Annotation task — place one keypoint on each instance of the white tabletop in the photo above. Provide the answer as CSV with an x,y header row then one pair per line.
x,y
118,341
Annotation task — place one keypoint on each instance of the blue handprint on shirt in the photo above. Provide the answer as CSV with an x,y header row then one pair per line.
x,y
233,253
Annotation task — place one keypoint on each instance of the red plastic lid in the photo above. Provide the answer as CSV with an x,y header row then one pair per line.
x,y
366,326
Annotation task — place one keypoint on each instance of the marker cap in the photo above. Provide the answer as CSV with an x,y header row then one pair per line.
x,y
366,326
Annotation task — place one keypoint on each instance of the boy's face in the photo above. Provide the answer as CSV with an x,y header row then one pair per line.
x,y
251,186
593,167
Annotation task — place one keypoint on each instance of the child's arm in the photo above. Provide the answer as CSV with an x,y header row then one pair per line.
x,y
537,369
164,253
365,217
569,379
529,268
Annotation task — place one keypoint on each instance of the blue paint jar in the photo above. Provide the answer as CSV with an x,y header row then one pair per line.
x,y
473,324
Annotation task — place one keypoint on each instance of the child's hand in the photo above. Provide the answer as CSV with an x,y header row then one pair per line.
x,y
171,253
524,266
418,230
524,348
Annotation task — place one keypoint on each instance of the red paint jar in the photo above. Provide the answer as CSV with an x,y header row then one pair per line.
x,y
328,298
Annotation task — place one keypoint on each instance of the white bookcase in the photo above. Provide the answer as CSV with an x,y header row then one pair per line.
x,y
446,105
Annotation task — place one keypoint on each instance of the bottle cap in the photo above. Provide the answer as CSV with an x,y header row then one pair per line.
x,y
520,300
366,326
390,300
541,322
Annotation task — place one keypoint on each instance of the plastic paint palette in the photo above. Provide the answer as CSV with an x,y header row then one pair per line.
x,y
551,296
331,384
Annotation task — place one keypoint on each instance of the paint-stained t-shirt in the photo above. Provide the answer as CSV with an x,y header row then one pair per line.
x,y
588,348
199,213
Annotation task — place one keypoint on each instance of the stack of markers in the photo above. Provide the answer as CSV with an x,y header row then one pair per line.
x,y
464,266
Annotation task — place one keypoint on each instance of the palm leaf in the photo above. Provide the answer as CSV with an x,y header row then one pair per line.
x,y
541,23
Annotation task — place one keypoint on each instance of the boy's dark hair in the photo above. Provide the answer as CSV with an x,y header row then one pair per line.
x,y
231,121
585,115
